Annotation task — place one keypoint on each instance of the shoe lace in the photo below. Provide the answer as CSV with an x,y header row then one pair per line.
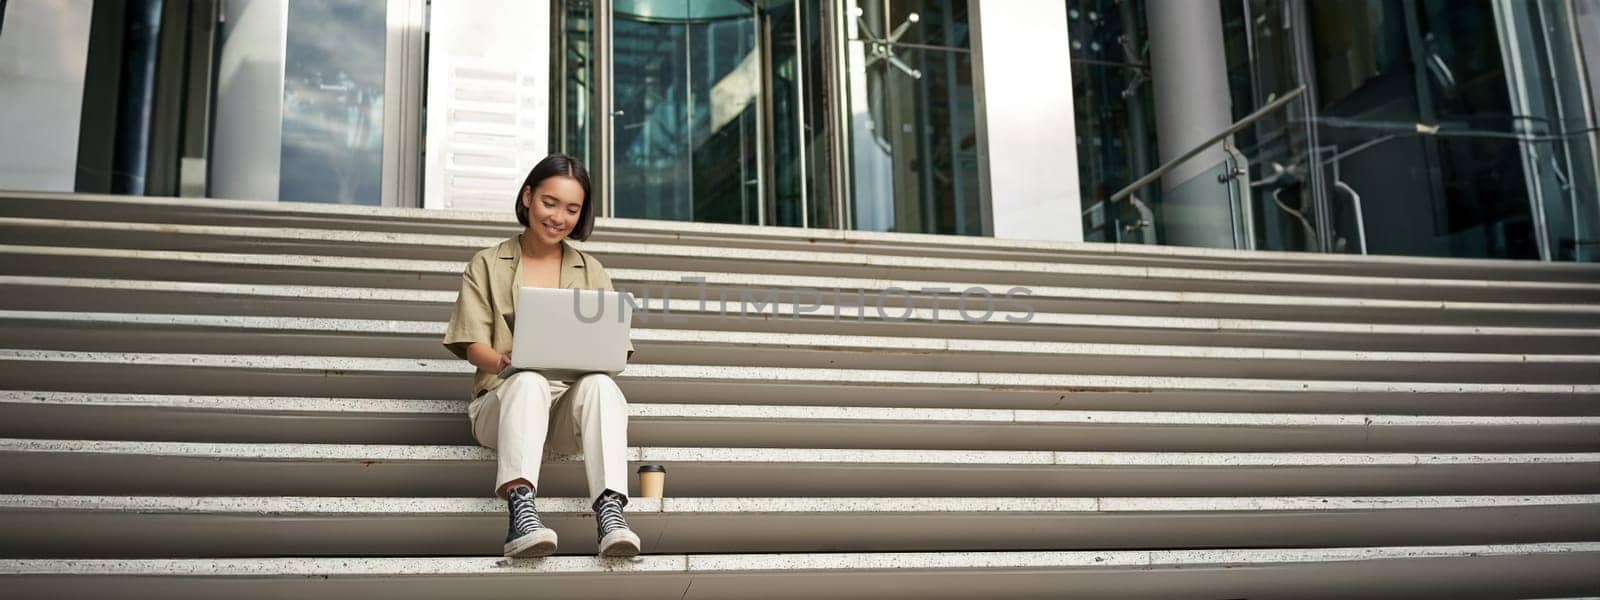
x,y
609,514
523,517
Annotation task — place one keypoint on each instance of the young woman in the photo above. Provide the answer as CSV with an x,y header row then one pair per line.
x,y
519,414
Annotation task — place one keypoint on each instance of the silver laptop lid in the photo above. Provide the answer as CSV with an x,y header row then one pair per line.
x,y
565,333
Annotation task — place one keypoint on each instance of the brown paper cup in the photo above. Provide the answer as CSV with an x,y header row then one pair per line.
x,y
652,481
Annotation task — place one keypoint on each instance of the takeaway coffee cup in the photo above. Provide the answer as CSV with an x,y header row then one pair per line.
x,y
652,479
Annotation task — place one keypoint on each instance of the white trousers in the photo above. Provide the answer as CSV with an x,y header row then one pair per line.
x,y
527,411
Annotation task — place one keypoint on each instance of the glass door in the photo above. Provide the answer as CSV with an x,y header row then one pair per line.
x,y
687,119
710,111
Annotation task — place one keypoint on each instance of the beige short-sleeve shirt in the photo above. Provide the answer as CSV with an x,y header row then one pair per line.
x,y
487,304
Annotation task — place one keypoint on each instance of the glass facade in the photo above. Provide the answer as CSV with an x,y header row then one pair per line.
x,y
1114,102
1264,63
289,96
912,125
687,96
1381,68
573,80
333,103
716,109
1453,128
259,99
1422,127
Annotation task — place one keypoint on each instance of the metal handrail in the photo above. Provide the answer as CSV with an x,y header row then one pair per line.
x,y
1238,126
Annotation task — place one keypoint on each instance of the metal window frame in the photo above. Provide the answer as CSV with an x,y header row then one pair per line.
x,y
403,100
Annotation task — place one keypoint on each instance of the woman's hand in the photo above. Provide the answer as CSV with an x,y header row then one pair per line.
x,y
484,357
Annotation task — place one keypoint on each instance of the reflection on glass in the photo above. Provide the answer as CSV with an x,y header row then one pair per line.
x,y
1437,128
1385,67
939,22
814,169
1278,191
574,48
1114,115
333,102
790,178
1560,148
688,97
913,128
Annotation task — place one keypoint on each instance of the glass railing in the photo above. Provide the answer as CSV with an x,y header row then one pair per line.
x,y
1482,187
1428,128
1217,204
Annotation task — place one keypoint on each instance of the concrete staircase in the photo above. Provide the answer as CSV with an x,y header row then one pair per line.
x,y
211,399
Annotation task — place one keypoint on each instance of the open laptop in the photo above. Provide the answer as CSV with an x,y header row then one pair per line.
x,y
567,333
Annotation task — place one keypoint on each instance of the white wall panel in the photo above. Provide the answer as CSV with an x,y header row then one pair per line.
x,y
488,101
1028,158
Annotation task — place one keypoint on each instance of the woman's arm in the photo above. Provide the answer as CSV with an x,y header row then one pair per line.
x,y
470,331
484,357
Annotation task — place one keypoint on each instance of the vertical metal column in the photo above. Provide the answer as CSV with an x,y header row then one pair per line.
x,y
199,70
558,80
768,169
800,114
402,112
764,121
136,104
1190,74
838,123
604,114
1511,23
167,108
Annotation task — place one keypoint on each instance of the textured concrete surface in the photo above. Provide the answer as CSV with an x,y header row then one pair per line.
x,y
287,419
396,452
706,373
821,342
802,562
820,260
649,277
356,506
823,414
217,526
849,313
323,292
1296,446
734,232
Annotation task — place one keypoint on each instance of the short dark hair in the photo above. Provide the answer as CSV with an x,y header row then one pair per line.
x,y
560,165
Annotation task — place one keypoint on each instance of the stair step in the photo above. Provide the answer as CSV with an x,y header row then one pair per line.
x,y
60,415
96,259
249,400
49,294
1423,572
680,284
1102,298
283,375
215,527
105,467
180,333
234,213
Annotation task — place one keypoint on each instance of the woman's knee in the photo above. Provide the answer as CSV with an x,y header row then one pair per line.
x,y
524,385
603,383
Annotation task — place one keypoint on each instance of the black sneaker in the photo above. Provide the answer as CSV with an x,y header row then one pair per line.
x,y
527,536
615,537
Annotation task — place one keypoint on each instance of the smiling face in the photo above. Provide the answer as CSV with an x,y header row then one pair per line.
x,y
553,208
